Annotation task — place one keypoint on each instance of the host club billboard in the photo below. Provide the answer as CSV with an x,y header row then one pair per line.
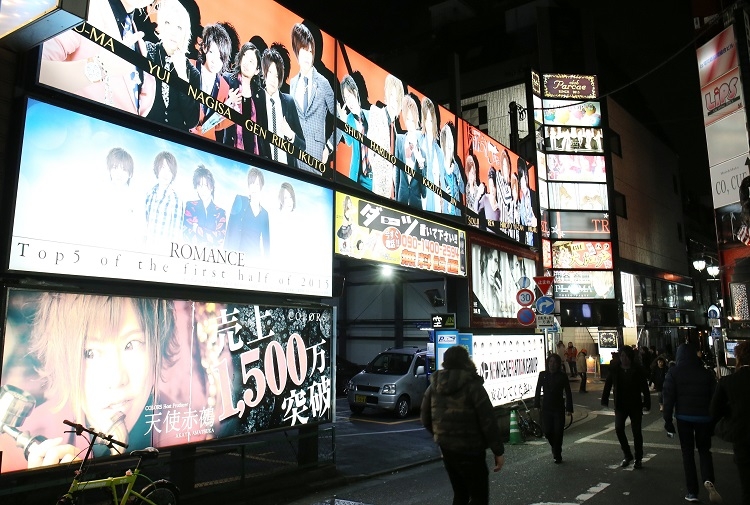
x,y
156,372
99,200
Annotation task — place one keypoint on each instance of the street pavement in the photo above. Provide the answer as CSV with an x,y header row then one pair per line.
x,y
381,461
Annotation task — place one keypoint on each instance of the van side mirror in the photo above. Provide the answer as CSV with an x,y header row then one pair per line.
x,y
420,370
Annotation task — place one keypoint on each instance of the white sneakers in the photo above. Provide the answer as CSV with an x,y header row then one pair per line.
x,y
713,494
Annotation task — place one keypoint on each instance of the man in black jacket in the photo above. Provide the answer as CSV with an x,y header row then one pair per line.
x,y
632,397
557,401
458,412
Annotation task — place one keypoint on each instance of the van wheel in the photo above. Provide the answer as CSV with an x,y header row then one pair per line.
x,y
356,409
402,407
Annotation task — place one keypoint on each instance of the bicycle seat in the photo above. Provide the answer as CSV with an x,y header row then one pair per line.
x,y
147,453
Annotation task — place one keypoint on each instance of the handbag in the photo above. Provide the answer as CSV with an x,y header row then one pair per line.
x,y
728,429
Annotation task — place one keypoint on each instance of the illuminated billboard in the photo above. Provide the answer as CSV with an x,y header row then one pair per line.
x,y
576,167
575,196
99,200
495,276
567,112
509,365
578,225
157,372
584,284
570,86
365,230
575,254
504,189
573,138
231,95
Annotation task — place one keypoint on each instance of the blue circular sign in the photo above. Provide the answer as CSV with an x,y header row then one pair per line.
x,y
524,282
545,305
526,316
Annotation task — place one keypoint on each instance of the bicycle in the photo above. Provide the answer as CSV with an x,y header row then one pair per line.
x,y
159,492
527,427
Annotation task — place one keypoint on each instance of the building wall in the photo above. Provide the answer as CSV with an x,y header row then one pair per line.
x,y
647,175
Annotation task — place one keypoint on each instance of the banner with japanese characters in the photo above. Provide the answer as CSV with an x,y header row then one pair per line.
x,y
369,231
155,372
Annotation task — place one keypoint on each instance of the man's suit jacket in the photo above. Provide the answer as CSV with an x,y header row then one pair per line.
x,y
408,192
320,104
70,46
183,111
289,110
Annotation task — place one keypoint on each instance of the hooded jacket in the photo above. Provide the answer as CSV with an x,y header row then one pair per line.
x,y
688,387
457,411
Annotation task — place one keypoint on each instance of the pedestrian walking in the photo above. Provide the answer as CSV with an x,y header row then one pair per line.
x,y
582,369
658,374
688,389
458,412
557,401
561,349
632,397
731,406
570,356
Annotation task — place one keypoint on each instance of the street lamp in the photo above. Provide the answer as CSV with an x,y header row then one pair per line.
x,y
712,270
699,264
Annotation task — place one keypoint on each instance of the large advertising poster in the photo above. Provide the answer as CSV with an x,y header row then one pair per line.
x,y
503,189
253,76
576,167
155,372
575,254
580,225
567,138
394,141
509,365
567,112
584,284
495,276
99,200
575,196
365,230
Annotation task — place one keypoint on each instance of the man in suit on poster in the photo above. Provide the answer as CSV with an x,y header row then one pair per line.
x,y
82,67
277,111
313,97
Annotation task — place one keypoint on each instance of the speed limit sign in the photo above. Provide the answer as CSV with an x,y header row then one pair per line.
x,y
525,297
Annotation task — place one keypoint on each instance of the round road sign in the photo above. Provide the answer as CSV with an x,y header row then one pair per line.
x,y
525,297
526,316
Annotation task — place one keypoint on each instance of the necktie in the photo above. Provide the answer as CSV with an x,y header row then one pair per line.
x,y
164,85
365,151
273,121
304,100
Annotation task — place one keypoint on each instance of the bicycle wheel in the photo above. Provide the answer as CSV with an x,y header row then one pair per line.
x,y
161,493
536,429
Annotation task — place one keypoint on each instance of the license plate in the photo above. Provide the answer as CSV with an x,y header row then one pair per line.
x,y
360,399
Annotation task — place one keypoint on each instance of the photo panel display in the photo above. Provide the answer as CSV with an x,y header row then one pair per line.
x,y
394,141
369,231
573,138
584,284
576,168
504,190
578,225
158,372
251,76
575,196
495,276
570,113
509,365
95,199
575,254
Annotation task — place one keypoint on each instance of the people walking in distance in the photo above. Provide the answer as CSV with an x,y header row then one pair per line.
x,y
457,411
561,349
570,356
658,374
581,366
731,406
632,397
688,388
553,383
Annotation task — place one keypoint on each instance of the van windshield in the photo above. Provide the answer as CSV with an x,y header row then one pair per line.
x,y
390,364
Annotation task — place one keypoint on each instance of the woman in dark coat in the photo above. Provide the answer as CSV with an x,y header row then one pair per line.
x,y
558,400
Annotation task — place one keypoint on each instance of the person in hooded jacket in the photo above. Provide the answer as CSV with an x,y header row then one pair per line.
x,y
557,401
688,389
458,412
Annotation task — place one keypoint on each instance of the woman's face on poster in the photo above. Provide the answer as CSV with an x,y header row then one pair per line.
x,y
249,64
213,62
118,373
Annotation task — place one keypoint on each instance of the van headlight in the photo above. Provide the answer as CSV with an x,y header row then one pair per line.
x,y
389,389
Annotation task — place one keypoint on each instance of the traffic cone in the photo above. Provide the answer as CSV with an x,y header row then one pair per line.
x,y
515,431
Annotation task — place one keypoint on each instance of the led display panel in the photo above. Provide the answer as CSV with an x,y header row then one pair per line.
x,y
574,196
495,276
368,231
99,200
573,138
394,141
575,254
157,372
509,365
505,190
578,225
185,73
576,167
584,284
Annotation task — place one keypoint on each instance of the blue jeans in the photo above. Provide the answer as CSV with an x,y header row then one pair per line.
x,y
696,436
469,477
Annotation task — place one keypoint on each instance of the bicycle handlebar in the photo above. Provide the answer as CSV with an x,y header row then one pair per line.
x,y
80,429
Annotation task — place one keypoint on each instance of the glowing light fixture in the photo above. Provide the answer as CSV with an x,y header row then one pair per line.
x,y
712,270
699,264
